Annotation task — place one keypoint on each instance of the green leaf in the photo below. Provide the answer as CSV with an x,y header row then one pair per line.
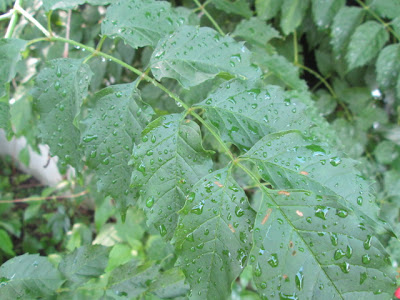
x,y
321,250
6,244
243,113
131,279
176,56
343,26
293,12
365,43
237,7
289,161
386,8
5,115
386,152
172,159
324,11
267,9
142,22
255,31
84,263
388,66
28,276
109,131
213,236
170,284
70,4
9,56
60,90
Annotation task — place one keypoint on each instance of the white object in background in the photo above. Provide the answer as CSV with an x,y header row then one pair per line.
x,y
39,166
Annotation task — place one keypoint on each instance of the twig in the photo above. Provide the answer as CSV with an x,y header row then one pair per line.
x,y
202,8
68,29
32,199
13,22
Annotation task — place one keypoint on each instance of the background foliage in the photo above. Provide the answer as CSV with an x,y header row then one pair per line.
x,y
261,137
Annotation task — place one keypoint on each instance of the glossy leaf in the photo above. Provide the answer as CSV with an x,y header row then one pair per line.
x,y
191,64
324,11
213,235
172,158
28,276
267,9
244,113
84,263
293,12
322,250
110,130
343,26
386,8
388,65
70,4
59,92
255,31
142,22
237,7
365,43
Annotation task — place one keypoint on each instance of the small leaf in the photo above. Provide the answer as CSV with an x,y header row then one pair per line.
x,y
176,56
213,235
84,263
255,31
388,66
131,279
70,4
172,159
28,276
267,9
365,43
112,126
142,22
293,12
6,244
60,90
237,7
243,113
343,26
324,11
386,8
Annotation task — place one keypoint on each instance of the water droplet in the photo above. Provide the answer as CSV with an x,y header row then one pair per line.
x,y
90,138
366,259
162,230
345,267
335,161
273,260
150,202
299,279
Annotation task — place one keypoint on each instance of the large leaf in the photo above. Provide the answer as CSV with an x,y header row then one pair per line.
x,y
267,9
325,10
84,263
388,65
176,56
60,90
365,43
343,26
293,12
308,246
237,7
255,31
28,276
243,113
289,161
168,162
142,22
213,235
109,131
386,8
62,4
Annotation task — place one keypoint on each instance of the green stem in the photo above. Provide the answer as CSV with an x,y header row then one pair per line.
x,y
202,8
31,19
372,13
49,22
7,15
13,21
98,48
254,177
295,47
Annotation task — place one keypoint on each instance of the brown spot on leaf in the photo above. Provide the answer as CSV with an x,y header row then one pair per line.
x,y
299,213
218,184
290,244
231,228
294,253
286,193
304,173
268,213
285,276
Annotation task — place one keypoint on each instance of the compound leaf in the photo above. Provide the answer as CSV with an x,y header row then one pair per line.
x,y
113,125
60,90
84,263
365,43
322,250
172,159
388,65
28,276
267,9
244,113
213,235
255,31
176,56
324,11
142,22
237,7
293,12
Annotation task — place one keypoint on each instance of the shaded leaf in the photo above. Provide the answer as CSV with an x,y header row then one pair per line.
x,y
170,284
255,32
113,125
59,92
237,7
388,66
386,8
172,158
365,43
213,235
293,12
267,9
191,63
28,276
324,11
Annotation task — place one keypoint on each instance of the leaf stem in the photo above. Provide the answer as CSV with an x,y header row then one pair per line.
x,y
203,9
295,47
49,22
67,34
13,21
